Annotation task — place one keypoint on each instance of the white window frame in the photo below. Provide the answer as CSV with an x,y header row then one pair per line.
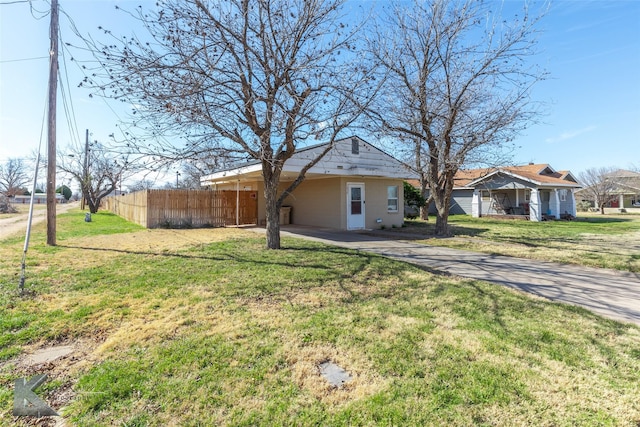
x,y
563,195
396,198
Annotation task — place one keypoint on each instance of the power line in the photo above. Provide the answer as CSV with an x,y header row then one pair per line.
x,y
24,59
68,100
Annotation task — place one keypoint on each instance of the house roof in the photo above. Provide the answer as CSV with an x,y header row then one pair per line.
x,y
339,161
627,182
538,174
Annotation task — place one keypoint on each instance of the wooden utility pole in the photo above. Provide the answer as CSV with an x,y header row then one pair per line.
x,y
51,133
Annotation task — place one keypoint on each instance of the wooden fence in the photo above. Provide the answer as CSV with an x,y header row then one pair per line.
x,y
185,208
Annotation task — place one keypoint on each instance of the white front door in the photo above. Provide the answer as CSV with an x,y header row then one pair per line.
x,y
355,206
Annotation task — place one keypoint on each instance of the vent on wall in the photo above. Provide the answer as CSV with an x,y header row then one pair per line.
x,y
355,147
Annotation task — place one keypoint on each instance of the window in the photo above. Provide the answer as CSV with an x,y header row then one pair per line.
x,y
355,147
392,198
563,195
527,196
356,201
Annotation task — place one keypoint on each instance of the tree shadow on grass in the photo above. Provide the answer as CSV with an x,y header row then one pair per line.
x,y
230,256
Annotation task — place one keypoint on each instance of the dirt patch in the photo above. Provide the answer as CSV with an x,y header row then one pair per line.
x,y
305,362
60,363
14,224
160,239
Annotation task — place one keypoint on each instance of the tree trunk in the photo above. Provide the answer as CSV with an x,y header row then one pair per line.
x,y
273,215
442,200
424,212
442,223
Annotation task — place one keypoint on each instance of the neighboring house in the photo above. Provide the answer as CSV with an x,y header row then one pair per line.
x,y
354,186
625,191
533,191
38,198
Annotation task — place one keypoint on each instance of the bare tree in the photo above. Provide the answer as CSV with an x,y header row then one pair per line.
x,y
249,79
143,184
598,186
198,166
13,177
97,170
457,88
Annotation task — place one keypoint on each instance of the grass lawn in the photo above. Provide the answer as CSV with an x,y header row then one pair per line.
x,y
594,240
206,327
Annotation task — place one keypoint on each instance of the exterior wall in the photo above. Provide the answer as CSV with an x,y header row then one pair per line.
x,y
376,203
461,202
568,205
323,203
341,160
316,202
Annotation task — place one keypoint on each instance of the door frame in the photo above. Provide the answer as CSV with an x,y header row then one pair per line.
x,y
356,222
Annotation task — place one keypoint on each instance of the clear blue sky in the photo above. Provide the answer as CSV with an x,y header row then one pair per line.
x,y
590,48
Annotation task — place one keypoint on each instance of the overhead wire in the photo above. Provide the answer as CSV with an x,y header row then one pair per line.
x,y
67,100
7,61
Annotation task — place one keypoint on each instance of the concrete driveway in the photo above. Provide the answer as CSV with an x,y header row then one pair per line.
x,y
610,293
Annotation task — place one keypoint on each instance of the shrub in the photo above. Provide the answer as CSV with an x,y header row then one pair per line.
x,y
5,205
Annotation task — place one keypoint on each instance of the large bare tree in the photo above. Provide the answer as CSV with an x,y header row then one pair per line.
x,y
13,177
457,88
599,186
251,79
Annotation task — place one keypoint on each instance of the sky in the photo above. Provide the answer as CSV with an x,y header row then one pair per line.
x,y
591,50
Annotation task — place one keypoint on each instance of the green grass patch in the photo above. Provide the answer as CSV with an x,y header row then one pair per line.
x,y
175,331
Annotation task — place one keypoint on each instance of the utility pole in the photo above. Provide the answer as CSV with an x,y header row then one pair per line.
x,y
51,132
85,169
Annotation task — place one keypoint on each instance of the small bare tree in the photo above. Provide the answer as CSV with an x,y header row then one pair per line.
x,y
598,186
142,184
13,177
251,79
457,88
97,170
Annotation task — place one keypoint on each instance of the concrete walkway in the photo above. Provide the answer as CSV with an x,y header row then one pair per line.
x,y
610,293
